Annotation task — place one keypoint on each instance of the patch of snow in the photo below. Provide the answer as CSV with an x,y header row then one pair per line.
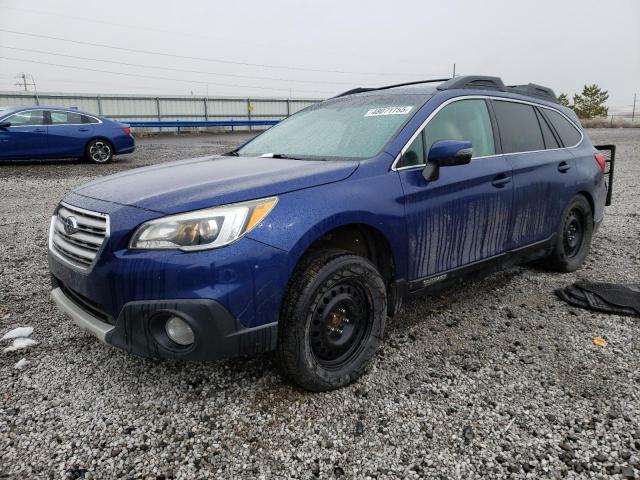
x,y
21,364
20,343
18,332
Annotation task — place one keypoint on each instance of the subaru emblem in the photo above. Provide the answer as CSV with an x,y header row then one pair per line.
x,y
70,225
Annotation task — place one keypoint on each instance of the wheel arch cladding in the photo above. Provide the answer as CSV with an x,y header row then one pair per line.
x,y
589,198
361,239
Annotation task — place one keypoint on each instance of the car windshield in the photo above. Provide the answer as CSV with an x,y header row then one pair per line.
x,y
354,127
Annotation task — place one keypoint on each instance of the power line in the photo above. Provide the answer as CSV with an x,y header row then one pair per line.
x,y
159,67
154,77
150,29
110,83
201,59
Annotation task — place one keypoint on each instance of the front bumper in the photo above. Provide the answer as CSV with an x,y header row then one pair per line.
x,y
231,296
139,328
80,317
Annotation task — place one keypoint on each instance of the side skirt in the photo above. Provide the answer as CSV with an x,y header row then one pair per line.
x,y
434,283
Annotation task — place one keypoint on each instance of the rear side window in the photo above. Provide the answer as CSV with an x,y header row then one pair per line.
x,y
569,134
88,119
519,127
65,118
547,135
23,119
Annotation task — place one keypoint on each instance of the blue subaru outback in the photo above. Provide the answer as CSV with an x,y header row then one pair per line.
x,y
305,239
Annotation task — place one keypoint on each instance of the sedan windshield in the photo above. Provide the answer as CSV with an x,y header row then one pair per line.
x,y
355,127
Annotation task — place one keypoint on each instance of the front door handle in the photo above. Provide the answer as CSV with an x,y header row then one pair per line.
x,y
564,167
39,130
501,180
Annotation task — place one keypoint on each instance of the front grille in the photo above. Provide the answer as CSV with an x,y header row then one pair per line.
x,y
80,248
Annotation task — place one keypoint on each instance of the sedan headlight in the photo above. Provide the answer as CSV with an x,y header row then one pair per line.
x,y
202,229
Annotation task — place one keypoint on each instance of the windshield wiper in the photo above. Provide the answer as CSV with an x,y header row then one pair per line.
x,y
278,155
232,153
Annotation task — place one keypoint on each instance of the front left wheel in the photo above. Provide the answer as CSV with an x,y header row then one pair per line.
x,y
99,151
332,322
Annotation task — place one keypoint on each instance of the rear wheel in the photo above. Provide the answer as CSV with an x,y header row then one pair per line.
x,y
332,322
573,239
99,151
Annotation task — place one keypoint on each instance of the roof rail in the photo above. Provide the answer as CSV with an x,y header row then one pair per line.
x,y
386,87
479,82
533,90
495,83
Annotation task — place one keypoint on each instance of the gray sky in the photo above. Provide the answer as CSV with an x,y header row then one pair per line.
x,y
316,49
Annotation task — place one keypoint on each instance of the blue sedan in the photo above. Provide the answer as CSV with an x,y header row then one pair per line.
x,y
47,132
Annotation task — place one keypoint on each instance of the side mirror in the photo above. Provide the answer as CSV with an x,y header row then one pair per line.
x,y
5,124
446,153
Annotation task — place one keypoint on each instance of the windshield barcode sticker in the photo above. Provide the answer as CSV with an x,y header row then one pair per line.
x,y
376,112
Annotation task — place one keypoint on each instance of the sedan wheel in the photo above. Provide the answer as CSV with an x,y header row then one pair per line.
x,y
99,151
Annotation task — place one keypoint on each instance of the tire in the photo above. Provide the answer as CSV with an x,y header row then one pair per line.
x,y
99,151
332,321
573,239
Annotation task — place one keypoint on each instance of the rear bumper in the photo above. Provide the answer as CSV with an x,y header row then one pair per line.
x,y
139,329
124,144
130,149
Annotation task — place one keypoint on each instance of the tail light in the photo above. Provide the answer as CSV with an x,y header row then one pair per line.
x,y
127,130
601,160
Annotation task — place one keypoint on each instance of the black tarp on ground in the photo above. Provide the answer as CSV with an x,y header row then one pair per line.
x,y
621,299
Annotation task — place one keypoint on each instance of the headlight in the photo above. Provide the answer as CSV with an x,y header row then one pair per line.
x,y
202,229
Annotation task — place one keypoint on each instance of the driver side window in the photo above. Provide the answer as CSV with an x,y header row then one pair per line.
x,y
466,120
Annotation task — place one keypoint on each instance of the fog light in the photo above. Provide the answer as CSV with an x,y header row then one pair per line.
x,y
179,331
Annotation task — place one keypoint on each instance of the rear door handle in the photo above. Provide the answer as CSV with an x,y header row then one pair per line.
x,y
39,130
501,180
564,167
83,129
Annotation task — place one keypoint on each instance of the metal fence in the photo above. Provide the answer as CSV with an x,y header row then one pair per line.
x,y
616,120
143,108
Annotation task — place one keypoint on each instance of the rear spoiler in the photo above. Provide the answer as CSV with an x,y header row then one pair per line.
x,y
609,152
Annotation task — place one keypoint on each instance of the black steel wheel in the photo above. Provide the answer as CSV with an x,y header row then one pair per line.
x,y
573,238
573,232
332,322
341,321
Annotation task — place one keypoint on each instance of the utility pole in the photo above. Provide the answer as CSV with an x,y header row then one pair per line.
x,y
35,88
633,112
23,77
22,81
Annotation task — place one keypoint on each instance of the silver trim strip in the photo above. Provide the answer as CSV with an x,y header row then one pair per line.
x,y
53,124
483,97
81,318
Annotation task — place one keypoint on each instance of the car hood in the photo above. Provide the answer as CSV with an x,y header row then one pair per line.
x,y
185,185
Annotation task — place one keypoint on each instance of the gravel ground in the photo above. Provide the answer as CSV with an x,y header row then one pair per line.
x,y
495,377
